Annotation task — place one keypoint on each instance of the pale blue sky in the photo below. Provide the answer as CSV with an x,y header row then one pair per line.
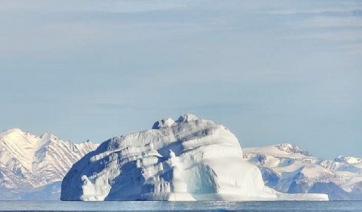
x,y
271,71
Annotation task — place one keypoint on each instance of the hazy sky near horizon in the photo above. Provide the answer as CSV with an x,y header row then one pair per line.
x,y
270,71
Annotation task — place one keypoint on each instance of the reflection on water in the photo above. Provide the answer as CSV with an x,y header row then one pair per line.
x,y
180,206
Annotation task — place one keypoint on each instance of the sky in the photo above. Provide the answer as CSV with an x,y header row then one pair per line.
x,y
270,71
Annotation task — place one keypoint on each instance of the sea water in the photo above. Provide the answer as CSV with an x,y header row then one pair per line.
x,y
180,206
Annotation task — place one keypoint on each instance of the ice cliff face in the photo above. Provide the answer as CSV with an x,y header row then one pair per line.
x,y
29,164
187,159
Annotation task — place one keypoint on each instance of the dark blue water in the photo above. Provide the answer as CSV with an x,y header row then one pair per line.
x,y
180,206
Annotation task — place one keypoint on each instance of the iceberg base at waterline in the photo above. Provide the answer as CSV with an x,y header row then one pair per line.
x,y
187,159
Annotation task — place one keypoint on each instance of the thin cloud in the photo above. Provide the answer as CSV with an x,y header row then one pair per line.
x,y
323,11
331,22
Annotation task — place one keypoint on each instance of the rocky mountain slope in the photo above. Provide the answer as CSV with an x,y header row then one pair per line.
x,y
32,167
288,168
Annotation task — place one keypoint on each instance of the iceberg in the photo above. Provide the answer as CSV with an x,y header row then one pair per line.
x,y
187,159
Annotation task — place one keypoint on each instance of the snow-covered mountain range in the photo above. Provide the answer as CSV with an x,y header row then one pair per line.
x,y
32,167
288,168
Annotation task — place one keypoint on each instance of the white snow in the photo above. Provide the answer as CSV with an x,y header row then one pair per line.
x,y
184,160
348,160
291,163
29,162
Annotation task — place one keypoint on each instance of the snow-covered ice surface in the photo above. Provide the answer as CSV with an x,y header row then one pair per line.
x,y
32,167
288,168
184,160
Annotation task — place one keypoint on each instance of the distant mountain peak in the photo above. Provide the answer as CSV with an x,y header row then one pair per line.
x,y
28,161
291,148
348,160
14,129
48,136
11,131
286,171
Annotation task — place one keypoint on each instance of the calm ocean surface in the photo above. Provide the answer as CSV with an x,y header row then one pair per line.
x,y
179,206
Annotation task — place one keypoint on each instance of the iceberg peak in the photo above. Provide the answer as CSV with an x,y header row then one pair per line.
x,y
169,122
187,118
163,123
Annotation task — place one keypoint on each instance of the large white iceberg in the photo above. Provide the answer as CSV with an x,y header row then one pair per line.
x,y
184,160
